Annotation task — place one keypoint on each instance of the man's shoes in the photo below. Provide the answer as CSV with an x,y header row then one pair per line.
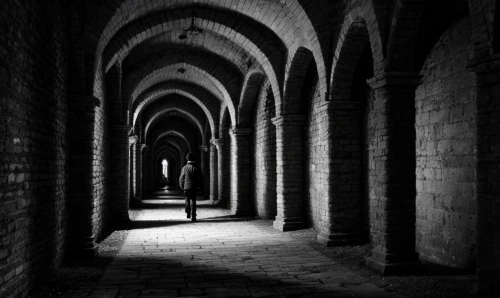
x,y
193,219
188,216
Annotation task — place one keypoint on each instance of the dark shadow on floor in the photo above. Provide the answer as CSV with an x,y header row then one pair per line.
x,y
144,224
236,278
170,205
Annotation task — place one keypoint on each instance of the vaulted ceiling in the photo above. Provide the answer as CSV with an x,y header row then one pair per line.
x,y
174,81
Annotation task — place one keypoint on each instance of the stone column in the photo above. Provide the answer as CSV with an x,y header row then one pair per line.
x,y
138,171
289,170
132,164
213,174
120,178
145,172
203,165
133,152
81,117
201,155
151,170
240,172
488,175
392,173
341,219
221,173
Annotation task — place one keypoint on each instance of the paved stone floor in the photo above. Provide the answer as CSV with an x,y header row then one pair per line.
x,y
167,255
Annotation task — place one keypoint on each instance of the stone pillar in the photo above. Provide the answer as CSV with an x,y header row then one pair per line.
x,y
138,171
201,155
341,218
132,164
81,117
145,172
213,174
241,170
221,179
120,178
151,170
488,175
392,173
289,170
203,165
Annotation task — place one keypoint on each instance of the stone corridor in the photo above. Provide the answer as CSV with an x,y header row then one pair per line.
x,y
371,123
166,255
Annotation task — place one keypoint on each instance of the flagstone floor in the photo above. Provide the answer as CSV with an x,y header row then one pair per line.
x,y
167,255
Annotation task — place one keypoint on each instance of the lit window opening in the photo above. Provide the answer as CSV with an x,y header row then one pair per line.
x,y
164,163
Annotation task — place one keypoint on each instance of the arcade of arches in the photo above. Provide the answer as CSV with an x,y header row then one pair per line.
x,y
370,121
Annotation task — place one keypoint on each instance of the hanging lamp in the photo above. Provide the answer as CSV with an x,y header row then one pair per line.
x,y
192,29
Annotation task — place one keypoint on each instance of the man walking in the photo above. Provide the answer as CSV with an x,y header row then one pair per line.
x,y
191,181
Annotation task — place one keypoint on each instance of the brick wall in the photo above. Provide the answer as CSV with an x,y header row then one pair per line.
x,y
100,217
446,148
225,175
264,156
316,161
368,133
33,147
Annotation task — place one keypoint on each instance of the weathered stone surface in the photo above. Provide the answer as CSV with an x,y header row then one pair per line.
x,y
228,258
264,149
78,77
33,143
446,148
316,143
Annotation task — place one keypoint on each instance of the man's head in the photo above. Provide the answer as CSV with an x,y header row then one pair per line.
x,y
191,156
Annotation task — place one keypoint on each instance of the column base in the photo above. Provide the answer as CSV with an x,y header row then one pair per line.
x,y
135,202
242,212
84,250
288,224
123,221
220,202
339,239
392,264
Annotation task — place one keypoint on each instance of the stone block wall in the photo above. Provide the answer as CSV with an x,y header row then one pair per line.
x,y
346,177
133,169
225,165
488,178
33,147
102,157
264,156
446,152
316,160
368,133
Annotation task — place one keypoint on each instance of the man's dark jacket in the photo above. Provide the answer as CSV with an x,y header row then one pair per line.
x,y
191,177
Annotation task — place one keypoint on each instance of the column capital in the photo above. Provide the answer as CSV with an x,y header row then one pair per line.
x,y
133,139
394,78
241,131
218,142
297,120
205,148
